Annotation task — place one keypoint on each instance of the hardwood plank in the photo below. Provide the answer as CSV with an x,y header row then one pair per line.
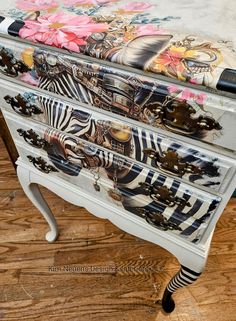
x,y
6,137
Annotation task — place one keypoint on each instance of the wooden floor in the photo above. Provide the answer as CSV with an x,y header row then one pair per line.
x,y
35,283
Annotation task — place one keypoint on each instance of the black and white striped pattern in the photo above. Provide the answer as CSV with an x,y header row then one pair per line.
x,y
65,118
10,26
68,155
191,220
65,85
183,278
73,150
83,125
143,139
70,152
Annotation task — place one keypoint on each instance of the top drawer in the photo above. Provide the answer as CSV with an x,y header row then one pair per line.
x,y
185,111
168,155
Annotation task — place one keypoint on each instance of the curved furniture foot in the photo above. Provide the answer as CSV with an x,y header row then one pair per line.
x,y
32,191
184,277
168,304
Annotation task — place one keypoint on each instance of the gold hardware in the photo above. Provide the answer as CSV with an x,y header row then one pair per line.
x,y
22,106
34,139
157,219
41,164
163,195
12,66
177,116
171,162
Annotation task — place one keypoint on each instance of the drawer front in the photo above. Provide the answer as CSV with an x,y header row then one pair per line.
x,y
185,111
131,183
168,155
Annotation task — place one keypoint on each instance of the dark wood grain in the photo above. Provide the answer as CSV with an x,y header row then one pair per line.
x,y
7,139
138,271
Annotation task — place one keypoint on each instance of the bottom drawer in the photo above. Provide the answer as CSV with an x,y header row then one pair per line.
x,y
90,182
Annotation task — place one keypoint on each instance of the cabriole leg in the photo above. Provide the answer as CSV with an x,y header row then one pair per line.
x,y
184,277
33,193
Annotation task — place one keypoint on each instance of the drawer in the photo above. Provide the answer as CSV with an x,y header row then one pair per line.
x,y
131,183
190,163
186,111
187,227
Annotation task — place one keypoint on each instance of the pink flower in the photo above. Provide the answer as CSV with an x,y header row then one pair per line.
x,y
70,3
198,98
137,6
193,81
187,94
104,1
144,30
61,30
173,89
33,5
26,77
201,98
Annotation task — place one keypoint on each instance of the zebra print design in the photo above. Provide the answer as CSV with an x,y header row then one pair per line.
x,y
70,155
143,139
83,125
183,278
10,26
66,84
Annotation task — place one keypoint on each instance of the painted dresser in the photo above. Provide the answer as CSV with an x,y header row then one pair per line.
x,y
128,109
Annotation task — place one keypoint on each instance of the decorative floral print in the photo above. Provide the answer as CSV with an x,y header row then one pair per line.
x,y
29,79
171,59
62,30
187,94
132,33
33,5
87,2
148,29
136,6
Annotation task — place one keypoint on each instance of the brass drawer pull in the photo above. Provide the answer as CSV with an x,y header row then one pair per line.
x,y
22,106
33,139
157,220
177,116
41,165
12,66
171,162
163,195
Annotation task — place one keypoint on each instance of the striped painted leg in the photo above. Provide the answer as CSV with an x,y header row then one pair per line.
x,y
184,277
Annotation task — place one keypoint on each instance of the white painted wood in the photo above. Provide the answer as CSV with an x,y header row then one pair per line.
x,y
85,180
33,193
188,254
24,150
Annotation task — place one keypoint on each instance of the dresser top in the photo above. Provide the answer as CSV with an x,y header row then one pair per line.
x,y
188,40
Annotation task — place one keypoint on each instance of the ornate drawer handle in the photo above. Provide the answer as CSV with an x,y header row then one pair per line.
x,y
22,106
12,66
41,165
157,219
177,116
163,195
171,162
34,139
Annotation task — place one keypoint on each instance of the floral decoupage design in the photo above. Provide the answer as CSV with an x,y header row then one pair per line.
x,y
132,33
